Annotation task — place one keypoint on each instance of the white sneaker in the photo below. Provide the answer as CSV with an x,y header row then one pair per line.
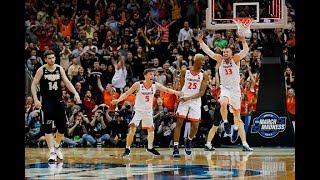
x,y
246,148
52,157
58,151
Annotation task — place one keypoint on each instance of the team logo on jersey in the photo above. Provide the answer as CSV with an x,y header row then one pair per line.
x,y
268,124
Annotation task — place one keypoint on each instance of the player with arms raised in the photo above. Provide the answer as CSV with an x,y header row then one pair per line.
x,y
229,64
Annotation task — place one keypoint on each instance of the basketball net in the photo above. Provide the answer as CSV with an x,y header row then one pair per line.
x,y
243,24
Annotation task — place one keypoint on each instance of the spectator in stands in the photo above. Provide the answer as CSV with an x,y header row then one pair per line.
x,y
289,78
28,107
169,100
219,41
120,75
76,129
109,93
291,103
33,65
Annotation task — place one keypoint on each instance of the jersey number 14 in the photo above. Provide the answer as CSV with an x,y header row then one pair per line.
x,y
53,85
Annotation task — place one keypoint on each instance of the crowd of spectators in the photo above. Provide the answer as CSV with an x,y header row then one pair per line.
x,y
104,46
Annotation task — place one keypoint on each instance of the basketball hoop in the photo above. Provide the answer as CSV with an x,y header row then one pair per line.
x,y
243,24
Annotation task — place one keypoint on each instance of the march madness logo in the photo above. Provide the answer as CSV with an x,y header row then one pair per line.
x,y
268,124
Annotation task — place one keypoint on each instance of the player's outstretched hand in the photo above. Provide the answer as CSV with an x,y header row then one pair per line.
x,y
241,37
77,99
37,104
200,36
179,93
184,99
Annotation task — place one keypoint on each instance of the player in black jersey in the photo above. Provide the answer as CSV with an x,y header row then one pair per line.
x,y
50,76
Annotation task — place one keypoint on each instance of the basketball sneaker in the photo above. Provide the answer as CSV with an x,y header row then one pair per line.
x,y
153,151
126,152
52,157
207,148
227,127
246,148
176,152
188,146
235,135
58,151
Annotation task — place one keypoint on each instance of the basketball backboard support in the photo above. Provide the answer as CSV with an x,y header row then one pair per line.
x,y
267,14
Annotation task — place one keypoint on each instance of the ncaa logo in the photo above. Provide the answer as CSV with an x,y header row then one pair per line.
x,y
268,124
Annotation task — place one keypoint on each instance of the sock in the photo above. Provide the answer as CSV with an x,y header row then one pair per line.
x,y
244,143
176,143
208,144
56,145
225,120
51,150
150,139
128,147
189,138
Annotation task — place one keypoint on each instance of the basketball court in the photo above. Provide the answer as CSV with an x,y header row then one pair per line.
x,y
223,163
108,163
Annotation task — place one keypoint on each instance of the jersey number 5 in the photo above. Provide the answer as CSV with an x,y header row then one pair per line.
x,y
147,98
53,85
192,85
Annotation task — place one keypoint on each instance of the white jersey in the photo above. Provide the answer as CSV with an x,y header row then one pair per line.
x,y
144,97
192,83
229,74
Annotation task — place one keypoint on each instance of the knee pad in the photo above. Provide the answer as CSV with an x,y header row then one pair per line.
x,y
47,128
62,130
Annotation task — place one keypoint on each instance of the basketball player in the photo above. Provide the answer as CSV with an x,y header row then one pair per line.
x,y
143,108
229,87
50,76
193,82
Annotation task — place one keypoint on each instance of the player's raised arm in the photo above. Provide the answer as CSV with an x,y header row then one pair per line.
x,y
237,57
168,90
207,50
133,88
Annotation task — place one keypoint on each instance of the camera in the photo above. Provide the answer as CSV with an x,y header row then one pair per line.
x,y
99,112
128,106
166,119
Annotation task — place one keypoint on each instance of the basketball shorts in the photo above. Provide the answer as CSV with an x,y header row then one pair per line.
x,y
192,108
233,95
146,117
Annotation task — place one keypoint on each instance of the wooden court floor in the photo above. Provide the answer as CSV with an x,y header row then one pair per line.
x,y
108,163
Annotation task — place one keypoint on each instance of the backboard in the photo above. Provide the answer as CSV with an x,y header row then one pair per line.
x,y
267,14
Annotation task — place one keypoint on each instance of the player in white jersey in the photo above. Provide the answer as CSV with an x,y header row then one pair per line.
x,y
143,108
230,88
193,82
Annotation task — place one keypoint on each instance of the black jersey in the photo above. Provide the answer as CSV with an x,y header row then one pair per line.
x,y
50,84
